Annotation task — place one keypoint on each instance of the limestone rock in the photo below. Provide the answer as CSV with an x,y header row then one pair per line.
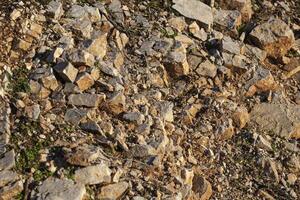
x,y
84,155
252,51
176,63
7,176
92,175
116,104
8,192
201,188
84,81
8,161
197,32
243,6
54,188
177,23
207,68
74,115
81,57
113,191
66,71
195,10
241,117
55,9
274,36
96,46
230,19
85,99
278,119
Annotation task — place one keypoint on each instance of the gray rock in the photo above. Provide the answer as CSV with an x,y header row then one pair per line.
x,y
277,119
108,68
85,99
33,111
97,46
231,46
166,110
113,191
230,19
252,51
7,176
55,9
76,11
83,27
10,191
141,151
207,68
8,160
91,126
92,175
53,188
80,57
116,8
134,117
66,71
176,63
74,115
195,10
116,104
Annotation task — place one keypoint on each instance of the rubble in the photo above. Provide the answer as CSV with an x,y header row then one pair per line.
x,y
113,191
92,175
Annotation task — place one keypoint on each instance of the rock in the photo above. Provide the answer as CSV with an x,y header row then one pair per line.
x,y
33,112
83,27
76,11
116,104
92,175
166,111
291,178
277,119
207,68
55,9
252,51
201,188
81,57
54,188
93,13
85,99
50,82
265,195
231,46
108,68
230,19
264,143
197,32
84,155
35,30
113,191
84,81
190,112
96,46
74,115
261,81
7,176
176,63
142,151
116,9
243,6
23,45
66,71
241,117
274,36
195,10
177,23
10,191
271,168
136,117
15,14
8,160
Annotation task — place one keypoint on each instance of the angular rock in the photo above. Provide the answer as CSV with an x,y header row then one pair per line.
x,y
241,117
141,151
81,57
195,10
207,68
113,191
10,191
55,9
74,115
54,188
33,111
23,45
92,175
84,155
166,111
277,119
97,46
261,81
134,117
243,6
108,68
252,51
91,126
202,188
197,32
83,27
8,160
66,71
7,176
273,36
177,23
84,81
50,82
85,99
116,104
176,63
231,46
229,19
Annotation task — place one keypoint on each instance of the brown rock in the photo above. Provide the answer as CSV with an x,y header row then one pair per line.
x,y
85,99
207,68
274,36
241,117
113,191
176,63
66,71
97,46
202,188
92,175
84,155
10,191
81,57
116,104
243,6
50,82
230,19
177,23
24,45
84,81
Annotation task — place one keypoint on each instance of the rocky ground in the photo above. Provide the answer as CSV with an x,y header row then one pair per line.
x,y
154,99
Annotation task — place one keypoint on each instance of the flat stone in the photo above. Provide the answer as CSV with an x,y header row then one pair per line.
x,y
23,45
33,111
108,68
143,150
201,188
85,99
91,126
177,23
84,81
229,19
195,10
166,110
96,46
7,176
252,51
74,115
80,57
50,82
243,6
10,191
66,71
241,117
55,9
8,160
83,27
274,36
116,104
54,188
197,32
136,117
113,191
278,119
176,63
15,14
207,68
92,175
76,11
231,46
84,155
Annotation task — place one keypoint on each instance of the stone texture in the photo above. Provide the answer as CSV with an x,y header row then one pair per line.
x,y
176,63
74,115
197,32
84,155
8,160
241,117
81,57
96,46
54,188
10,191
66,71
7,176
84,81
202,188
277,119
113,191
55,9
274,36
92,175
229,19
195,10
207,68
116,104
243,6
85,99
